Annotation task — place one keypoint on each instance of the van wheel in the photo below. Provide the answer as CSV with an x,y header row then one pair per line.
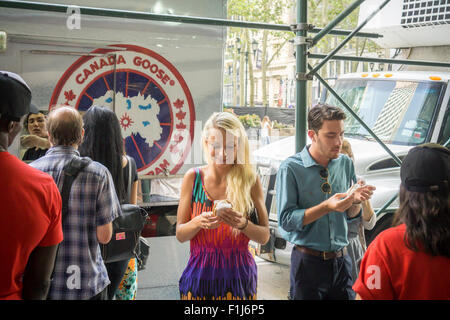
x,y
384,223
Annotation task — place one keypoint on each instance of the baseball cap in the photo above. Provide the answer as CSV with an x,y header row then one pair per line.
x,y
15,95
426,168
33,108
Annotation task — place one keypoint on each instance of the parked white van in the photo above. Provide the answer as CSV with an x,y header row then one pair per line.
x,y
403,109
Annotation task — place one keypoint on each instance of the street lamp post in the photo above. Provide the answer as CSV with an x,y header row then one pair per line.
x,y
238,47
254,48
246,75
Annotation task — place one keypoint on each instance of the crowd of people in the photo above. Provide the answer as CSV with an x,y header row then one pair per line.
x,y
48,255
322,206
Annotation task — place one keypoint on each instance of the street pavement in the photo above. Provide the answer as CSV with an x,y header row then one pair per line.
x,y
168,258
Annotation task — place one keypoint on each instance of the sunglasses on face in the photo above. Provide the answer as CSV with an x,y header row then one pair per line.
x,y
325,187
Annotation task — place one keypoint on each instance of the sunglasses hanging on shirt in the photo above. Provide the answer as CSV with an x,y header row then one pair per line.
x,y
326,186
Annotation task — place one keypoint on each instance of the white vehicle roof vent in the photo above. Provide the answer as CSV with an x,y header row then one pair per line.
x,y
420,13
408,23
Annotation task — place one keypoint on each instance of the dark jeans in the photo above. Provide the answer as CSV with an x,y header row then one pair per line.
x,y
313,278
116,271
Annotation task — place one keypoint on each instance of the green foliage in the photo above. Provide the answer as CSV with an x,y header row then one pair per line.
x,y
279,125
250,120
321,12
271,42
269,11
266,11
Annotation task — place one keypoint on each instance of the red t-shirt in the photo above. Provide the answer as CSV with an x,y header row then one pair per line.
x,y
30,217
389,270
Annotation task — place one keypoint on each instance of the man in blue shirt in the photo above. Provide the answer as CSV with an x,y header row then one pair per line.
x,y
313,207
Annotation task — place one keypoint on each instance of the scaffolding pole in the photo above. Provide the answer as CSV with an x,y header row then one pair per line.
x,y
386,205
336,21
346,106
383,60
348,38
140,15
301,84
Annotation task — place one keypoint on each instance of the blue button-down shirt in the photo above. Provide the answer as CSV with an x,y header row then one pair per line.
x,y
298,187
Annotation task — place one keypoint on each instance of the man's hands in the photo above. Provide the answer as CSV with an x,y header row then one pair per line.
x,y
343,201
339,202
362,193
31,140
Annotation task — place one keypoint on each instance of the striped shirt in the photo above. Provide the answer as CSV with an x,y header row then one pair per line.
x,y
79,270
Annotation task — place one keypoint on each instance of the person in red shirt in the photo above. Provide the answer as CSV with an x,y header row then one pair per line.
x,y
411,261
30,206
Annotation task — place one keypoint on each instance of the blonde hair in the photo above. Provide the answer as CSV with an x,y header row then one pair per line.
x,y
347,149
242,176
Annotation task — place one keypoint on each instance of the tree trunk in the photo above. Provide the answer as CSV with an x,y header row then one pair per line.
x,y
251,57
241,77
235,56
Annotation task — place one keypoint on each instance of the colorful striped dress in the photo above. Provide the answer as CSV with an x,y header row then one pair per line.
x,y
220,265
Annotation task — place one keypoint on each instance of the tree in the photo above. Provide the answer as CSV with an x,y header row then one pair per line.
x,y
320,13
269,11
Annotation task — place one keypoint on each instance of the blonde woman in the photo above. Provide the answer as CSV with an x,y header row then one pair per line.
x,y
266,130
220,265
356,226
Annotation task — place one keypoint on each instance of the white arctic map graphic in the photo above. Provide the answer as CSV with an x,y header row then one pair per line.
x,y
136,115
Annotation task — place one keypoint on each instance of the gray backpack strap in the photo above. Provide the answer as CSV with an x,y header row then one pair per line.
x,y
71,170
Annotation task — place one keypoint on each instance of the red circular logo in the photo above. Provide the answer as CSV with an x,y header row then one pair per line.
x,y
149,96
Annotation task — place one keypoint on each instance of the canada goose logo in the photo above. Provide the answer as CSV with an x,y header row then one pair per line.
x,y
149,96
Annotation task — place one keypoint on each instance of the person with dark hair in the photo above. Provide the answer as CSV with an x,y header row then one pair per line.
x,y
30,206
313,207
103,142
80,273
411,260
37,138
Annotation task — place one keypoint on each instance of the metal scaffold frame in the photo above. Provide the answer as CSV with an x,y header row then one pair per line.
x,y
302,42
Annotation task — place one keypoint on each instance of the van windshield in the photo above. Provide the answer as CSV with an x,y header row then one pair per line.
x,y
398,112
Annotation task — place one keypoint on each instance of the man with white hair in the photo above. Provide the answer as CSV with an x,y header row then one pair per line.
x,y
80,273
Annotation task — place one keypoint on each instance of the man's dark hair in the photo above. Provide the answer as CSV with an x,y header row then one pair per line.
x,y
25,120
427,219
321,112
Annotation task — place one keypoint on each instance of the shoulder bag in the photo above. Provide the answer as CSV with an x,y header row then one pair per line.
x,y
126,230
